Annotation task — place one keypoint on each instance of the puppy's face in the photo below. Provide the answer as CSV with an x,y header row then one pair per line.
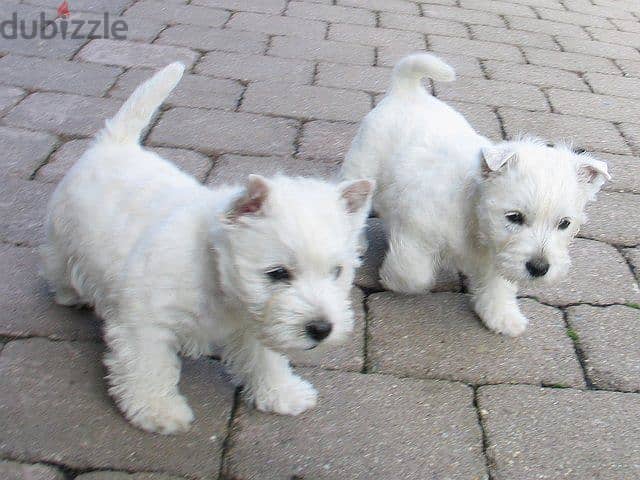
x,y
531,206
292,253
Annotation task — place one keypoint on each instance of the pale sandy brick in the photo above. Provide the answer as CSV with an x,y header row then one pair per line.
x,y
422,24
513,37
630,39
275,25
259,6
172,13
545,26
255,67
462,15
614,85
499,7
612,10
398,6
132,54
477,48
204,38
493,92
573,18
322,139
306,102
602,49
534,75
326,50
615,109
570,61
371,79
331,13
378,37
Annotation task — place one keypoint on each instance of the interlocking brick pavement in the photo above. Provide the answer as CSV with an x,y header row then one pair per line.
x,y
422,389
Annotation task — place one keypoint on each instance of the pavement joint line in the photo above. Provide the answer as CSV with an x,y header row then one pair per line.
x,y
627,141
579,351
226,443
56,147
489,463
503,130
297,140
214,161
366,367
546,97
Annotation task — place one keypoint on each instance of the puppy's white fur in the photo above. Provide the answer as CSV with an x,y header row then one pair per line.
x,y
174,267
446,195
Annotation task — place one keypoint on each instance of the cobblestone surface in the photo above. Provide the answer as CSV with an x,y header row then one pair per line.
x,y
422,389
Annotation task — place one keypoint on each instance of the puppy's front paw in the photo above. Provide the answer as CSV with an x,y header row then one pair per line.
x,y
291,398
166,415
501,319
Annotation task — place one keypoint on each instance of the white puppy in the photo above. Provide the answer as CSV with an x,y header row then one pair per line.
x,y
174,267
501,213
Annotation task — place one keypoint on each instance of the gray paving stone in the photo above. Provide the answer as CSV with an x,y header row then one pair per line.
x,y
306,102
188,161
23,471
625,172
535,433
608,337
423,24
603,49
626,25
99,6
513,37
111,475
464,65
330,140
633,257
587,133
570,61
481,117
331,13
438,336
172,13
27,309
598,275
260,6
217,131
9,96
51,74
630,39
63,113
62,160
23,151
476,48
493,92
545,26
133,54
255,67
462,15
380,426
501,8
612,10
534,75
614,218
236,168
325,50
192,91
138,28
631,132
614,85
371,79
585,104
22,207
348,356
275,25
574,18
54,393
377,37
400,6
205,38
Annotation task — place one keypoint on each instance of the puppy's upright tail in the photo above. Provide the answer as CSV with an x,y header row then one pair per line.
x,y
132,118
408,72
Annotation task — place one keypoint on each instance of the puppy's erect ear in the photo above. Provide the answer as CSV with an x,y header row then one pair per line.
x,y
252,200
495,157
357,194
592,174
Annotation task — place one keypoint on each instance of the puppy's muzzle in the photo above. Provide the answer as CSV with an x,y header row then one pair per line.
x,y
318,330
537,267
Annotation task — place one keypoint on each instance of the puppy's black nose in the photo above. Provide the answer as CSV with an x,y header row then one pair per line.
x,y
318,329
537,267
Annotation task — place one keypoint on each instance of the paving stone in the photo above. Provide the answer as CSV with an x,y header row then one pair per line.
x,y
27,308
462,15
477,48
614,218
438,336
192,91
585,104
570,61
172,13
329,140
274,25
380,426
348,356
399,6
138,28
599,276
99,6
62,160
614,85
23,151
587,133
203,38
539,3
377,37
63,113
626,25
255,67
534,75
233,169
9,96
631,132
608,336
602,49
545,26
55,394
260,6
422,24
325,50
23,471
633,257
193,163
630,39
612,10
111,475
513,37
331,13
625,172
217,131
133,54
367,275
370,79
50,74
304,101
501,8
574,18
481,117
525,425
22,208
493,92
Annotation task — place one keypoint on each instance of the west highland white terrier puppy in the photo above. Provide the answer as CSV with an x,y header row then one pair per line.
x,y
174,267
501,213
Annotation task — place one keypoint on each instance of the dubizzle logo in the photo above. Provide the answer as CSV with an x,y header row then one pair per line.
x,y
63,26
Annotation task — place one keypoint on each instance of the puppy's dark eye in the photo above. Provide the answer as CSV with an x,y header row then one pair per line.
x,y
279,274
564,224
515,217
337,271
